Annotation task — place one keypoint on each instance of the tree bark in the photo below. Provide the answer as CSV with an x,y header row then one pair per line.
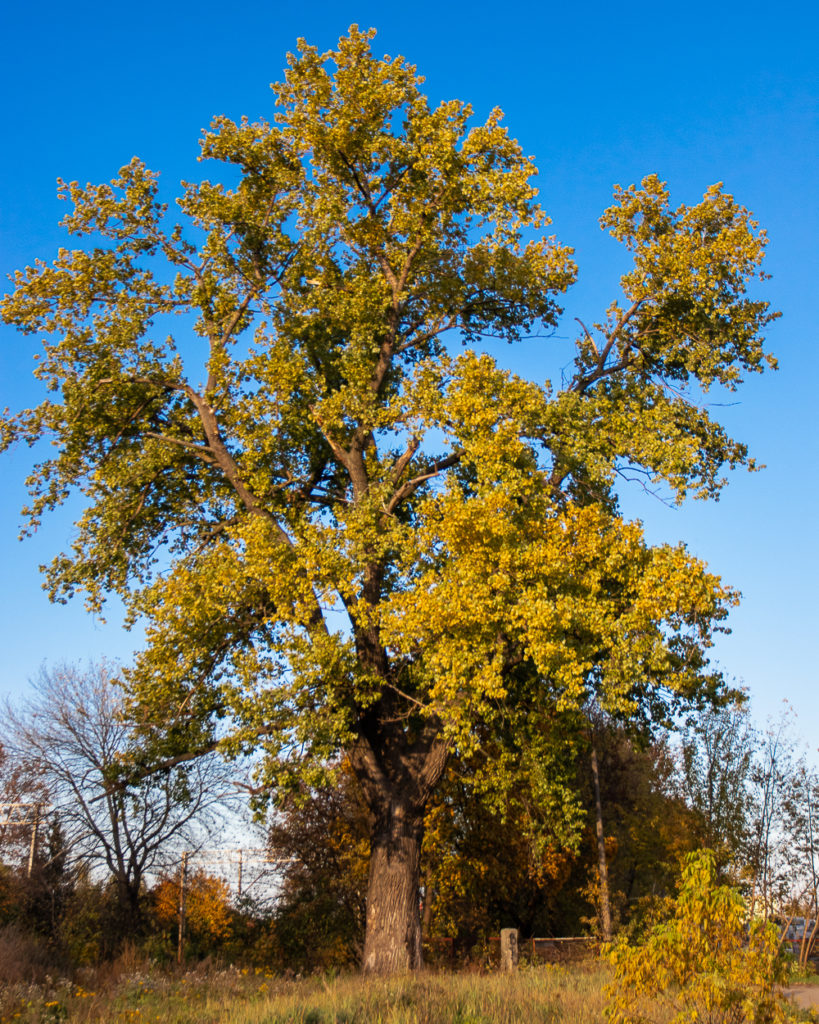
x,y
393,938
398,764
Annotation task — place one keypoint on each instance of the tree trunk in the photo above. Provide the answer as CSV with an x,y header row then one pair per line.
x,y
426,916
602,861
393,939
398,772
129,920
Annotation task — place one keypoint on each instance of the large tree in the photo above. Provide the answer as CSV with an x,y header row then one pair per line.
x,y
348,536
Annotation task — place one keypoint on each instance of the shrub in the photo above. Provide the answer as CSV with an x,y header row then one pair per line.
x,y
704,964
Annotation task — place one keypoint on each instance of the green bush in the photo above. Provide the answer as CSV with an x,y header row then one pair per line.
x,y
705,964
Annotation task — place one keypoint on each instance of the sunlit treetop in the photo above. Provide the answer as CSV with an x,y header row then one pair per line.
x,y
343,530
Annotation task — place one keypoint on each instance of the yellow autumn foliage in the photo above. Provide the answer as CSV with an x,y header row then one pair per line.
x,y
706,964
342,533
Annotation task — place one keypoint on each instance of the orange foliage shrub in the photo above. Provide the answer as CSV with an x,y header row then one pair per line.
x,y
208,913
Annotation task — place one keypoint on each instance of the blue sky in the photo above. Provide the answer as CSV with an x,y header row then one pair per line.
x,y
599,94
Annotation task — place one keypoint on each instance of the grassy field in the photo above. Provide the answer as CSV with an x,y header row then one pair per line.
x,y
532,995
541,995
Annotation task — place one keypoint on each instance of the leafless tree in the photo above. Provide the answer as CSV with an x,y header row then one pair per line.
x,y
754,798
717,764
73,735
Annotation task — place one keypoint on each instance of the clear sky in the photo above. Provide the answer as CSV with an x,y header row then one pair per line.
x,y
599,94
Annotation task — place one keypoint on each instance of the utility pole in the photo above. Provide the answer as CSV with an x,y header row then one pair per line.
x,y
35,827
240,874
183,878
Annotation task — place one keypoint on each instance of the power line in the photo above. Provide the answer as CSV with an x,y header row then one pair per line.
x,y
22,813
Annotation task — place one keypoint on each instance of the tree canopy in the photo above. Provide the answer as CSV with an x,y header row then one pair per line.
x,y
346,534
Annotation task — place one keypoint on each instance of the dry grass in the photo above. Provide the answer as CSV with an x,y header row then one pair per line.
x,y
22,957
540,995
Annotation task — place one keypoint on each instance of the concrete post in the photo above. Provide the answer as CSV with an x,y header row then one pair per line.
x,y
508,949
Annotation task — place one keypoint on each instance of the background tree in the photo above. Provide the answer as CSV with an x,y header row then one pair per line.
x,y
647,825
776,857
753,802
502,842
34,882
717,756
209,915
362,532
35,895
321,838
72,735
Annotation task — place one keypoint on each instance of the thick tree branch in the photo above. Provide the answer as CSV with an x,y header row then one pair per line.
x,y
409,488
404,459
